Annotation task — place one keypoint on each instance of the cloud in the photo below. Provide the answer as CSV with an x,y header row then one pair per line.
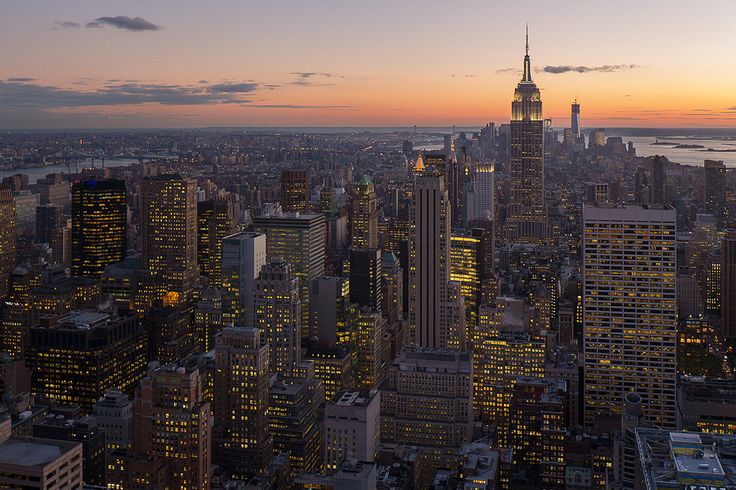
x,y
306,78
558,69
731,108
17,95
66,24
136,24
310,74
507,70
296,106
233,88
19,79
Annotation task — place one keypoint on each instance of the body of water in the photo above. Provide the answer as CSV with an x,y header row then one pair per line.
x,y
645,147
35,173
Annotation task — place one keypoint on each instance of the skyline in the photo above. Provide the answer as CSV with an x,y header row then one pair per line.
x,y
135,64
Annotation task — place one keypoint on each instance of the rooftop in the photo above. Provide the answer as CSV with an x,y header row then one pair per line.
x,y
679,460
32,451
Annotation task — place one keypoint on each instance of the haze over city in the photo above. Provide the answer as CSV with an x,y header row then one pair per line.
x,y
91,64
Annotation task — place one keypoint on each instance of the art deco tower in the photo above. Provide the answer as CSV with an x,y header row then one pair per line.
x,y
528,213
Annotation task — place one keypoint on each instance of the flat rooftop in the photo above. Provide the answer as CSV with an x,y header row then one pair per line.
x,y
32,451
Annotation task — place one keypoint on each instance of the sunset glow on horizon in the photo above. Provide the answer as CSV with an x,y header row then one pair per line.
x,y
231,63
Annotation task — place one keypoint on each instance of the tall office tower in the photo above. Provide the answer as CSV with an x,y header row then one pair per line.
x,y
484,193
243,444
7,237
659,180
429,257
471,263
48,219
427,402
243,255
527,208
114,413
99,222
299,238
173,422
277,315
575,119
78,357
452,180
506,345
295,190
642,191
292,419
215,221
715,191
171,334
370,366
169,235
208,319
352,427
365,278
365,215
333,317
392,285
15,314
630,310
728,291
537,428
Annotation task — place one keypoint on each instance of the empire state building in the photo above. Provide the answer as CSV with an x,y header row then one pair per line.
x,y
527,209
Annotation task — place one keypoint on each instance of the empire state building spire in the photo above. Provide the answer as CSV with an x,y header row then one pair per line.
x,y
527,62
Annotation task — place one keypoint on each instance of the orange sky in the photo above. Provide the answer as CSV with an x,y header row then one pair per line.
x,y
380,63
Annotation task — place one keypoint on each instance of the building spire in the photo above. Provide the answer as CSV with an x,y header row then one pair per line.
x,y
527,63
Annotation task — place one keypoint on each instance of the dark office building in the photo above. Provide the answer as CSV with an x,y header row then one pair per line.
x,y
294,190
48,219
75,359
99,218
365,278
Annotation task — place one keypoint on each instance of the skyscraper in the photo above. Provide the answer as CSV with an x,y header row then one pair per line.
x,y
575,119
243,444
243,255
99,222
527,208
169,235
429,311
333,316
659,179
278,315
630,310
365,215
215,221
295,190
728,290
172,421
365,278
484,192
715,191
7,237
299,238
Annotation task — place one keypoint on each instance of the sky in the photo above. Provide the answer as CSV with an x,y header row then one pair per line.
x,y
194,63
